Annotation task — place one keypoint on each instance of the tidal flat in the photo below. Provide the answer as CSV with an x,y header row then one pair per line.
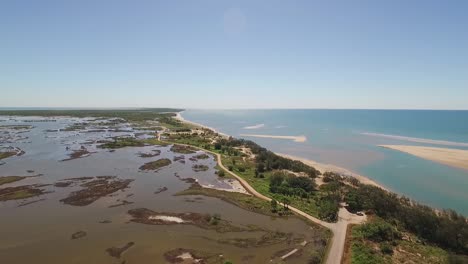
x,y
93,204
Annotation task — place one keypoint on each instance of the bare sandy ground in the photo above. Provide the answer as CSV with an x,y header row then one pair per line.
x,y
329,167
295,138
452,157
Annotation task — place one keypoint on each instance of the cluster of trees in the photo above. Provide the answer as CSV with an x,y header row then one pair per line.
x,y
291,185
447,228
267,160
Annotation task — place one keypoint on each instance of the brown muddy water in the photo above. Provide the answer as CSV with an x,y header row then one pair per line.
x,y
41,230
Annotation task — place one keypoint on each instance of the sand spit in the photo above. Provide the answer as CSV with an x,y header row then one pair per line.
x,y
294,138
452,157
419,140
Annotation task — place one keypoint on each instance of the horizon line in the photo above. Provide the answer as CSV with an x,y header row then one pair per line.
x,y
19,108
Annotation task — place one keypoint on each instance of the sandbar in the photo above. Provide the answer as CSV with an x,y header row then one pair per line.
x,y
294,138
452,157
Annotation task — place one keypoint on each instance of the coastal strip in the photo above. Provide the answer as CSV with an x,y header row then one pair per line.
x,y
294,138
183,120
322,167
452,157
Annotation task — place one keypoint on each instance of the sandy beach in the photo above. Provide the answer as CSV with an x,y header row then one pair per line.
x,y
452,157
329,167
294,138
182,119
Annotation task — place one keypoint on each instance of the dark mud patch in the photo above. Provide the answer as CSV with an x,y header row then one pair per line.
x,y
187,180
182,149
205,221
78,235
63,184
199,167
270,238
155,165
180,159
79,153
182,255
160,190
20,192
200,157
105,222
122,203
152,154
31,202
96,189
117,252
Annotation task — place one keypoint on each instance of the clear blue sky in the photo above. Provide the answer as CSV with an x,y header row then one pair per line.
x,y
234,54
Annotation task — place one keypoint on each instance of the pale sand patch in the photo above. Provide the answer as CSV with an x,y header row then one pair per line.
x,y
294,138
451,157
167,218
329,167
255,126
236,186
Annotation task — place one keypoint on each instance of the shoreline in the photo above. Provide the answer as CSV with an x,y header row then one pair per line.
x,y
455,158
182,119
322,167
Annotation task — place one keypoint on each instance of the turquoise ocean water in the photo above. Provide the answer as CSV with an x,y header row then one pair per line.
x,y
349,139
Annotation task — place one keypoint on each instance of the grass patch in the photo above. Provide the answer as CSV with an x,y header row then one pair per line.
x,y
10,179
243,201
156,165
182,149
7,154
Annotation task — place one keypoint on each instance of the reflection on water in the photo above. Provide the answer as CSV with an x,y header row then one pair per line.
x,y
41,232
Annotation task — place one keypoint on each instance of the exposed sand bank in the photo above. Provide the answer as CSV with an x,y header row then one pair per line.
x,y
329,167
255,126
419,140
452,157
294,138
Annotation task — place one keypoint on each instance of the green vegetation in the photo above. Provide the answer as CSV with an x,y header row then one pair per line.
x,y
10,179
122,142
446,229
182,149
199,167
129,115
156,165
381,242
247,202
19,192
7,154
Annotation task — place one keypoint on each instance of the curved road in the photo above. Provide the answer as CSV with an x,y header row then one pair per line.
x,y
338,229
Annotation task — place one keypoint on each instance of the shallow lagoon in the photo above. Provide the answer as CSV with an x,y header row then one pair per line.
x,y
41,232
